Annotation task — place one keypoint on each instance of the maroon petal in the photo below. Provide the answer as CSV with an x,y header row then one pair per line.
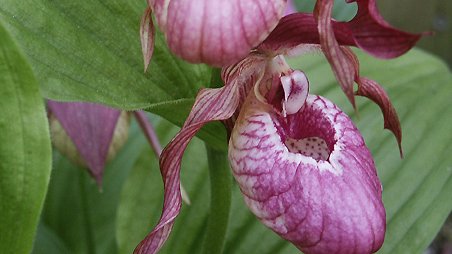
x,y
91,128
377,94
342,67
367,30
375,36
372,90
147,35
210,105
301,28
309,177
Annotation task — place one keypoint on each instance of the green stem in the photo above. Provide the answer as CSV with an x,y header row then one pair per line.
x,y
220,201
85,210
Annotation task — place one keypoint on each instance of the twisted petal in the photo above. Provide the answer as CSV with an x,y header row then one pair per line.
x,y
310,177
216,32
90,127
342,67
210,105
372,90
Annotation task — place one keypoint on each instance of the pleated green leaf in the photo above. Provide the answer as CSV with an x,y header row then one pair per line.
x,y
416,189
89,50
25,152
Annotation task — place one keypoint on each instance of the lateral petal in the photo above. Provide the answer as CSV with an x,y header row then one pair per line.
x,y
372,90
210,105
341,65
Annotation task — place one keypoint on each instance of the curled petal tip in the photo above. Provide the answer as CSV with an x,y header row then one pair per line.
x,y
372,90
375,36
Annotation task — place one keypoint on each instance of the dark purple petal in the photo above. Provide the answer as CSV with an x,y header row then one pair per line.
x,y
342,67
367,30
373,91
210,105
375,36
301,28
90,127
147,35
309,177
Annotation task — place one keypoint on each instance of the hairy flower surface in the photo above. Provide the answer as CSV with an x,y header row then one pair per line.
x,y
301,164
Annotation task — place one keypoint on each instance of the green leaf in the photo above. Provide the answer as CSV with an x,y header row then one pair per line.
x,y
82,216
416,189
48,242
25,153
177,111
89,50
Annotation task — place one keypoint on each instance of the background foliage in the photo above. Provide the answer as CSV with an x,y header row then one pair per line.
x,y
89,51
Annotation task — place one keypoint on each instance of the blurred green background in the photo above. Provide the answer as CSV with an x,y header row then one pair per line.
x,y
419,15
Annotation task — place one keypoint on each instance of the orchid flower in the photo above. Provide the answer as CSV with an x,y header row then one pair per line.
x,y
301,164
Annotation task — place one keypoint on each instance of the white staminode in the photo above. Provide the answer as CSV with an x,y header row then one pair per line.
x,y
296,88
314,147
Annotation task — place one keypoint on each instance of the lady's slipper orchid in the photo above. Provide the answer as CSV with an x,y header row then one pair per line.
x,y
301,164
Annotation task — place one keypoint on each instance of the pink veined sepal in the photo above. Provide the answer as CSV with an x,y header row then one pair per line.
x,y
210,105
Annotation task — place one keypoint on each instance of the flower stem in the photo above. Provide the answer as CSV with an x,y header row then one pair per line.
x,y
153,140
89,237
149,132
220,201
